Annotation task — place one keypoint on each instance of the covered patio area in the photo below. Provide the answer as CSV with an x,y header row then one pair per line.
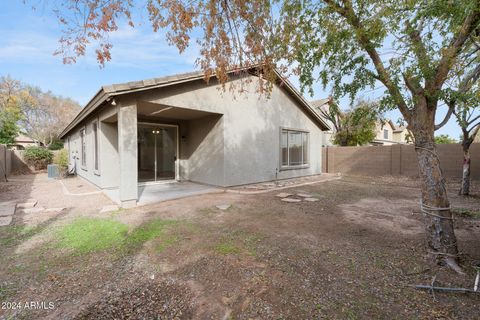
x,y
152,193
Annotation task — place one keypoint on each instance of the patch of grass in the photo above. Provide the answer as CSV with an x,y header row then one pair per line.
x,y
167,242
251,242
13,233
7,290
227,248
86,235
467,213
149,231
117,212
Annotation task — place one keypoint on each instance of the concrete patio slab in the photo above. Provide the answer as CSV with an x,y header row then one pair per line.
x,y
5,221
154,193
7,210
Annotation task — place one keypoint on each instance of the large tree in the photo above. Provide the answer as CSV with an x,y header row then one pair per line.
x,y
406,47
46,115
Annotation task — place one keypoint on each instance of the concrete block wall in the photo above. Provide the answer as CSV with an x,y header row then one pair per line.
x,y
396,160
5,161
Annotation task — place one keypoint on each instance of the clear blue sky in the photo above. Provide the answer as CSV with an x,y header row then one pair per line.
x,y
28,39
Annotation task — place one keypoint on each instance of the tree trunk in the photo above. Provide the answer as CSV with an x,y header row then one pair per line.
x,y
439,229
465,188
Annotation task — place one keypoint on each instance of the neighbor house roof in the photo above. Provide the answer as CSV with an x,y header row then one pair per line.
x,y
24,138
321,103
108,92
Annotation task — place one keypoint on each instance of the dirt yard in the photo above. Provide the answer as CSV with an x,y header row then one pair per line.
x,y
354,254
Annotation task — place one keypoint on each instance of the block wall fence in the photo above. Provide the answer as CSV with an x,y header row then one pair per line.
x,y
396,159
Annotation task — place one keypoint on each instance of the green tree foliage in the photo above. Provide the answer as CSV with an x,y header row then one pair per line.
x,y
61,159
444,139
10,112
354,127
8,127
56,145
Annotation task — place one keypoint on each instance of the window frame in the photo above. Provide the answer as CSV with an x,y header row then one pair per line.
x,y
385,134
83,148
289,166
96,147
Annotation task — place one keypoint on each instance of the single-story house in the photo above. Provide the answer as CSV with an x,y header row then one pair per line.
x,y
185,129
23,141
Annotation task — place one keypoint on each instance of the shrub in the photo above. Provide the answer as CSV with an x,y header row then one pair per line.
x,y
38,157
61,159
56,145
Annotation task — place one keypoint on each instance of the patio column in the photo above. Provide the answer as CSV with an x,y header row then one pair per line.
x,y
127,151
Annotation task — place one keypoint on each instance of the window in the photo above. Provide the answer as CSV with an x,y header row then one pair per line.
x,y
95,146
84,148
385,133
294,148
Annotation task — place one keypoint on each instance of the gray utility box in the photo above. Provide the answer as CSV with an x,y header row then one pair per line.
x,y
53,171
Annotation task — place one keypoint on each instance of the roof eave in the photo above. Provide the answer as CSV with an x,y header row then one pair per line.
x,y
110,91
100,97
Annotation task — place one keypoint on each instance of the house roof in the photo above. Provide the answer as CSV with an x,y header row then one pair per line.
x,y
320,103
400,129
24,138
109,91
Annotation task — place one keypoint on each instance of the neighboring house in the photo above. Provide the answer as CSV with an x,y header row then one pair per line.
x,y
324,105
181,128
22,141
388,134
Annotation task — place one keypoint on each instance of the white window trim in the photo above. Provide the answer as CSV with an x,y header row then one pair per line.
x,y
97,154
83,143
300,166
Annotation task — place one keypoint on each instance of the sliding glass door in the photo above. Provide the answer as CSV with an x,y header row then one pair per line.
x,y
157,152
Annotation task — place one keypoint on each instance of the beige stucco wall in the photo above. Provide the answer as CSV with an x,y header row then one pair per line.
x,y
108,173
239,144
251,132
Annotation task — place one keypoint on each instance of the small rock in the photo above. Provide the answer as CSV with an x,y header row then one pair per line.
x,y
223,206
291,200
283,195
152,277
304,195
310,199
33,210
109,208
